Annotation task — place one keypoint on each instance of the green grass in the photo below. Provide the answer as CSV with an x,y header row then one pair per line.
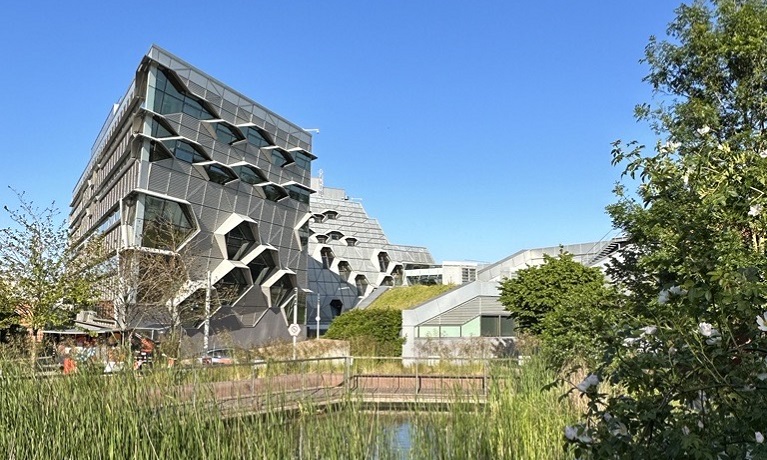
x,y
148,416
406,297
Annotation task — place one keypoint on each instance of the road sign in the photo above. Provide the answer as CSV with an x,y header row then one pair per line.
x,y
294,329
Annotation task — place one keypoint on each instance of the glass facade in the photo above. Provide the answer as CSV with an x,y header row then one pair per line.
x,y
303,161
219,173
186,151
256,137
261,266
327,257
250,174
273,192
362,284
171,97
240,241
298,193
166,223
281,290
227,134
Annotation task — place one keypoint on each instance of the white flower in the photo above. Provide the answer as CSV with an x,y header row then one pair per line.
x,y
707,330
630,341
588,382
704,130
755,210
685,431
676,290
571,433
619,430
759,437
663,297
761,322
763,154
649,330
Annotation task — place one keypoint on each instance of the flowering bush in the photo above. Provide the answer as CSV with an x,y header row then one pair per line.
x,y
686,377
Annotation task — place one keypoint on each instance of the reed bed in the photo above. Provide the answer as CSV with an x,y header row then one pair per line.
x,y
173,414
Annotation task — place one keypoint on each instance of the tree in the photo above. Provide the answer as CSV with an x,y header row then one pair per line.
x,y
563,302
44,276
689,370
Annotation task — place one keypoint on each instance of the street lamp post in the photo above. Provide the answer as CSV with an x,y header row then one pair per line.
x,y
318,315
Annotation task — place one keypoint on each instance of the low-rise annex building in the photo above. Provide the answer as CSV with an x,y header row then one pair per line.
x,y
351,261
470,319
183,157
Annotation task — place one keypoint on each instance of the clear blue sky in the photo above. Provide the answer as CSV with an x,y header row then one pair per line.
x,y
473,128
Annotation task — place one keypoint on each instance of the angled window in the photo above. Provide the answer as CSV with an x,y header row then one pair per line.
x,y
233,284
161,128
335,235
362,284
322,238
344,269
303,160
171,97
166,223
298,193
387,281
319,218
273,192
330,215
351,241
257,137
383,261
281,157
281,290
336,307
158,151
327,257
219,173
250,174
185,151
262,265
241,240
398,275
226,134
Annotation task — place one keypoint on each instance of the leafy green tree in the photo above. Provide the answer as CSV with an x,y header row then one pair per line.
x,y
689,372
44,276
563,302
371,332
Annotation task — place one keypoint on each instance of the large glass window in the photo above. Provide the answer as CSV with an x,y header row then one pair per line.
x,y
240,240
261,266
298,193
158,151
219,174
250,174
327,257
160,128
226,134
303,161
344,269
273,192
362,284
171,97
185,151
496,326
256,137
232,285
281,290
383,261
166,223
281,157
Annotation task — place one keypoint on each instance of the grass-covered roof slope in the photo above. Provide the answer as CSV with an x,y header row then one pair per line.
x,y
406,297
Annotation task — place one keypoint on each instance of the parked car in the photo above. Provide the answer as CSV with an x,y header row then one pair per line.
x,y
218,356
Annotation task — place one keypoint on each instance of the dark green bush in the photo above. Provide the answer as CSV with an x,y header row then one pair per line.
x,y
371,332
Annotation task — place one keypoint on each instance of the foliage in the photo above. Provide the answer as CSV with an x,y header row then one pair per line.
x,y
44,276
688,373
564,303
371,332
406,297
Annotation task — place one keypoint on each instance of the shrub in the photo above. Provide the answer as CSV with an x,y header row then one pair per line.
x,y
370,332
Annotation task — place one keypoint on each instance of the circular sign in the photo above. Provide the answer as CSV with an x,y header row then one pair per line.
x,y
294,329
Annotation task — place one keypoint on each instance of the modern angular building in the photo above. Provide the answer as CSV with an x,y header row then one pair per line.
x,y
470,319
351,260
184,163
